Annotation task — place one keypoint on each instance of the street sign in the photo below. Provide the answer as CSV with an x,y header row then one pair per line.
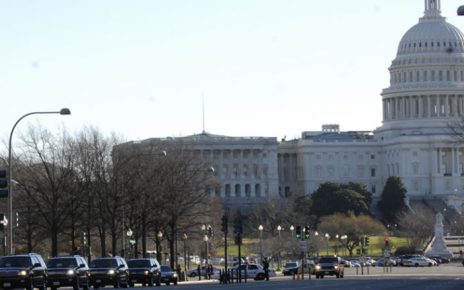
x,y
303,246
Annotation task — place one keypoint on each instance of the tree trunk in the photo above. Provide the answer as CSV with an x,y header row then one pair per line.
x,y
144,237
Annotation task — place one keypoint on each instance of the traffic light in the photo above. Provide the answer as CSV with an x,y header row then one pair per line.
x,y
210,231
238,226
3,221
306,233
238,239
298,232
366,241
3,184
225,225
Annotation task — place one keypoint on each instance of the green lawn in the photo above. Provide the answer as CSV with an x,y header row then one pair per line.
x,y
376,245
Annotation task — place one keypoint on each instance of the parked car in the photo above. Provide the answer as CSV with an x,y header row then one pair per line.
x,y
254,271
439,259
419,261
23,271
380,262
145,271
109,271
346,263
329,266
291,268
355,263
71,271
194,272
168,275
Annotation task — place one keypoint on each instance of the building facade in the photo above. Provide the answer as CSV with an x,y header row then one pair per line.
x,y
415,141
245,168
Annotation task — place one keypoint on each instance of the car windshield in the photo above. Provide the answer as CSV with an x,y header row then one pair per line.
x,y
289,265
15,262
138,263
165,268
328,260
103,263
62,263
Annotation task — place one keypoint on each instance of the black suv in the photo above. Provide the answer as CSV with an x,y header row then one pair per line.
x,y
329,266
23,271
145,271
109,271
68,271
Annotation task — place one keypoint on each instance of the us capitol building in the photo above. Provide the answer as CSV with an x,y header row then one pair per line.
x,y
415,141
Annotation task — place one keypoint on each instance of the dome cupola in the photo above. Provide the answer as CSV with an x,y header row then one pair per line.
x,y
426,77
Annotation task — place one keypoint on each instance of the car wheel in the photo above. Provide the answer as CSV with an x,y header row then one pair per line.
x,y
53,288
30,284
342,275
416,265
86,286
76,285
322,276
260,276
430,264
167,283
193,274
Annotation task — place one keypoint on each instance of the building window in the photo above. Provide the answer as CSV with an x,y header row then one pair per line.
x,y
287,191
227,191
373,188
258,190
372,172
238,190
372,156
247,190
235,172
245,170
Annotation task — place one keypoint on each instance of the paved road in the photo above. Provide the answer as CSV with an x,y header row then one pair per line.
x,y
444,277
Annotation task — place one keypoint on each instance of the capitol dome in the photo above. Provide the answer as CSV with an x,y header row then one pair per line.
x,y
432,34
426,89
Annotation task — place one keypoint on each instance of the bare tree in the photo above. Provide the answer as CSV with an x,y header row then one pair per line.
x,y
46,174
418,226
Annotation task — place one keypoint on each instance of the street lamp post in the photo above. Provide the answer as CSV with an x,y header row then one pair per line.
x,y
184,238
205,238
129,235
64,111
316,234
344,238
158,238
336,245
327,237
260,228
279,262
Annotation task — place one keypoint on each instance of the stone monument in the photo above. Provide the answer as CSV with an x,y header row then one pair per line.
x,y
438,244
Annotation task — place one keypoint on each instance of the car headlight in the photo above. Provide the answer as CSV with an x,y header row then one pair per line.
x,y
336,267
22,273
146,273
174,275
70,272
318,267
111,272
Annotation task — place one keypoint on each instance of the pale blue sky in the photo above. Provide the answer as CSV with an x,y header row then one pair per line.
x,y
140,67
